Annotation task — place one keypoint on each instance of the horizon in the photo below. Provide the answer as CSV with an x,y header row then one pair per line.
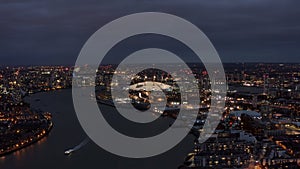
x,y
72,65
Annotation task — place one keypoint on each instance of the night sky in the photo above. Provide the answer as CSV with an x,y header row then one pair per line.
x,y
39,32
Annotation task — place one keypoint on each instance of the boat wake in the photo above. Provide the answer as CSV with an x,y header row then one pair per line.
x,y
79,146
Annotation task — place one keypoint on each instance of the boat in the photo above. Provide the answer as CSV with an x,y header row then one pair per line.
x,y
69,152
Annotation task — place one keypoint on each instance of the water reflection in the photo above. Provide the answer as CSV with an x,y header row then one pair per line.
x,y
19,154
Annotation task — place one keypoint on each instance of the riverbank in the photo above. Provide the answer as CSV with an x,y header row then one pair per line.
x,y
29,140
36,136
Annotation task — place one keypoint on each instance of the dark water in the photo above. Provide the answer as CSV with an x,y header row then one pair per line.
x,y
67,133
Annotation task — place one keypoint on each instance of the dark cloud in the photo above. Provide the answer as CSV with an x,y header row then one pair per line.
x,y
53,32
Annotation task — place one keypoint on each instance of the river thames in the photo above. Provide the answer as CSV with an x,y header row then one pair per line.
x,y
67,133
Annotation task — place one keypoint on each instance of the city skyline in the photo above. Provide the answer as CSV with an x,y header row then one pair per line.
x,y
261,116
